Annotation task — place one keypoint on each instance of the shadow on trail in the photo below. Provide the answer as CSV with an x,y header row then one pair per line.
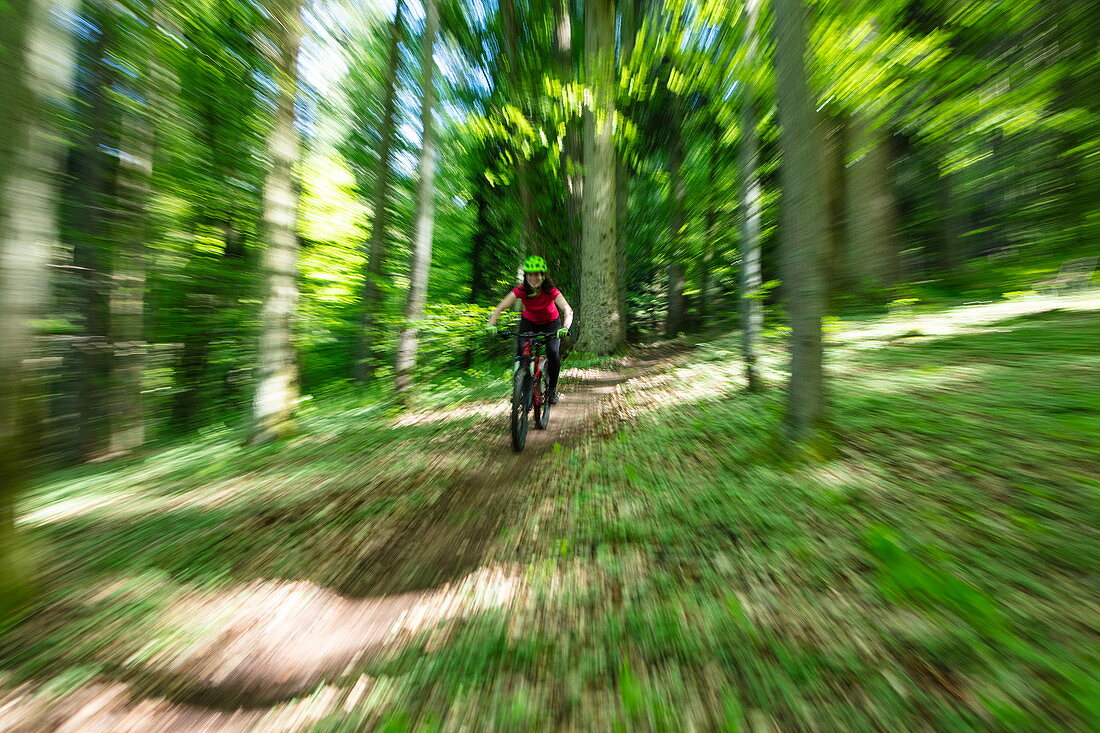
x,y
452,536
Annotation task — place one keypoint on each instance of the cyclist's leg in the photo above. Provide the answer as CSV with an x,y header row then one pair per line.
x,y
553,356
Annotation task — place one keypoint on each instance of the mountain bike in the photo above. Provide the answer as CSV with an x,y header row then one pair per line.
x,y
528,385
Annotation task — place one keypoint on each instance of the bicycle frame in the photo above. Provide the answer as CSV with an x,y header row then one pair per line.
x,y
530,353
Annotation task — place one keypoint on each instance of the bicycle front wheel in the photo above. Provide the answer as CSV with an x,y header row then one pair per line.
x,y
521,401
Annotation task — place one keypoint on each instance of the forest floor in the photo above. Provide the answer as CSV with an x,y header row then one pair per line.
x,y
650,562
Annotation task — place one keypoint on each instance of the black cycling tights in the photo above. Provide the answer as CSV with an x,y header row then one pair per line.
x,y
553,347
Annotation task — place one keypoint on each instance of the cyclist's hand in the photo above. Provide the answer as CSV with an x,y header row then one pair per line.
x,y
490,329
563,332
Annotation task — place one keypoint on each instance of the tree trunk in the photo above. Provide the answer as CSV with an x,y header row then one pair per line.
x,y
277,386
990,169
803,221
628,30
872,257
128,294
711,236
190,375
622,213
706,264
480,244
517,88
91,190
571,151
674,322
425,211
482,240
36,63
752,309
601,321
376,248
833,153
952,245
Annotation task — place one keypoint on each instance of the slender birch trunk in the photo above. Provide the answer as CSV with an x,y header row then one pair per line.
x,y
277,388
752,310
377,246
425,211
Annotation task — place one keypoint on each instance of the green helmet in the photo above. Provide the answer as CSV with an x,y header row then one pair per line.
x,y
534,263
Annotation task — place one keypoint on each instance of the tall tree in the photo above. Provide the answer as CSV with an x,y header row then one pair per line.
x,y
951,225
870,218
377,249
752,315
277,386
485,232
674,321
711,236
220,169
628,18
833,136
91,196
36,62
571,149
803,221
516,84
602,328
135,169
425,210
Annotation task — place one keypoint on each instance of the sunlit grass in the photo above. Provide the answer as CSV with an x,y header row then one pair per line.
x,y
937,573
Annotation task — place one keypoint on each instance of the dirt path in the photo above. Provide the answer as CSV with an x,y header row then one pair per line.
x,y
277,655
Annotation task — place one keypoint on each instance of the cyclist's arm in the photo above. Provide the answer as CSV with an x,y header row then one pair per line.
x,y
502,306
566,310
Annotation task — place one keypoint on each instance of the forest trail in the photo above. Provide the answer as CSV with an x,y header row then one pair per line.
x,y
268,655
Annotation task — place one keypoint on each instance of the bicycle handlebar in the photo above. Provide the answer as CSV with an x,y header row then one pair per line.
x,y
533,335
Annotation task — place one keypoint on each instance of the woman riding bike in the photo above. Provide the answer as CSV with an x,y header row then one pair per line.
x,y
544,307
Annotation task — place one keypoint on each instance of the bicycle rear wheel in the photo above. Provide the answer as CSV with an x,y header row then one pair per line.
x,y
521,401
542,404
